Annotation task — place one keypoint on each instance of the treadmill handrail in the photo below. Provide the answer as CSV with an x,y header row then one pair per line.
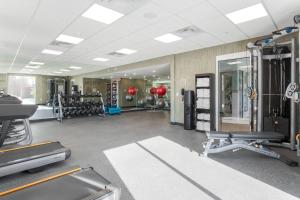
x,y
27,146
43,180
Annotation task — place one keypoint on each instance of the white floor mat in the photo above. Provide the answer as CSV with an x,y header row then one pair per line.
x,y
147,178
224,182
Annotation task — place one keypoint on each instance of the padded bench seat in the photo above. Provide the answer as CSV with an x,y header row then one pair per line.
x,y
246,135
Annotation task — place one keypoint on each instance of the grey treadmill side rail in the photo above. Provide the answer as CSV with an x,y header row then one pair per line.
x,y
31,164
34,161
85,184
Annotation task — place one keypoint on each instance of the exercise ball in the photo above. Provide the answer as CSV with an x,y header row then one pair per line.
x,y
129,98
132,91
161,91
153,90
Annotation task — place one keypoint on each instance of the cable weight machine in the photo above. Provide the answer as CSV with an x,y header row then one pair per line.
x,y
273,61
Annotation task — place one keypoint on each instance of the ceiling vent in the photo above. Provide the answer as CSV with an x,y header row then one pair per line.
x,y
117,54
61,44
188,31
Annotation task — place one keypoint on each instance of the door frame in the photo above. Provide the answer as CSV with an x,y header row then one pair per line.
x,y
231,56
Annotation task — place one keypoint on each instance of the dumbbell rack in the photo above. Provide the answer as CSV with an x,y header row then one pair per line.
x,y
114,94
205,102
77,104
112,91
108,94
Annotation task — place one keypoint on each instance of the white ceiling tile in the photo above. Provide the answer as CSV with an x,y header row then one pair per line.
x,y
258,27
122,6
228,6
150,13
222,29
176,5
205,40
283,12
201,12
84,28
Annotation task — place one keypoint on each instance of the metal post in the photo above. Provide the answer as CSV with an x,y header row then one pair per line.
x,y
260,90
293,104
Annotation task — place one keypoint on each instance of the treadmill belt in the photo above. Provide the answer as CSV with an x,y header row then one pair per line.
x,y
30,152
75,186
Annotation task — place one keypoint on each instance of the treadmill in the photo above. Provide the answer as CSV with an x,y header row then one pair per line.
x,y
73,184
28,157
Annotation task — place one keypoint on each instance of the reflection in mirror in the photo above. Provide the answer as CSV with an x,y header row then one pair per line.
x,y
234,104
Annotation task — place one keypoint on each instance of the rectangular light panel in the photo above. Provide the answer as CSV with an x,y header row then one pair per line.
x,y
51,52
74,67
247,14
65,70
126,51
168,38
32,67
102,14
36,63
234,63
69,39
101,59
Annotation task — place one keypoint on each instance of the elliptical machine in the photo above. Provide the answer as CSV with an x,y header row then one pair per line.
x,y
16,128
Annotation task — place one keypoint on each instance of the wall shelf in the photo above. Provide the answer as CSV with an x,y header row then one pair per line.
x,y
205,102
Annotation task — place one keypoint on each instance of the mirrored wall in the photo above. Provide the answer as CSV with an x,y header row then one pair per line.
x,y
233,80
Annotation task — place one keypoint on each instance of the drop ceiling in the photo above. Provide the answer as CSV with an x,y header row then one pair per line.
x,y
28,28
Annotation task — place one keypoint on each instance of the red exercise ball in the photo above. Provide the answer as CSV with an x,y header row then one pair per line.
x,y
161,91
132,91
153,91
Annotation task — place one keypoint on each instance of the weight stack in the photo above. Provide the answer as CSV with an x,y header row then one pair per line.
x,y
189,110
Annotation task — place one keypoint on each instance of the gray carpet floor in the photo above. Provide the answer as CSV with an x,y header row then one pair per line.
x,y
88,137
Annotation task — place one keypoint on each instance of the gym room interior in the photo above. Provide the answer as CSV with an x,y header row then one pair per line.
x,y
149,99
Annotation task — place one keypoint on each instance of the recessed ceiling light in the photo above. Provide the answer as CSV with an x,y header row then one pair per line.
x,y
134,73
126,51
153,71
36,63
74,67
102,14
57,72
247,14
32,67
51,52
234,63
101,59
27,70
130,78
125,75
168,38
69,39
65,70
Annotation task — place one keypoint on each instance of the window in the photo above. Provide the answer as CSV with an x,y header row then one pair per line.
x,y
23,87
